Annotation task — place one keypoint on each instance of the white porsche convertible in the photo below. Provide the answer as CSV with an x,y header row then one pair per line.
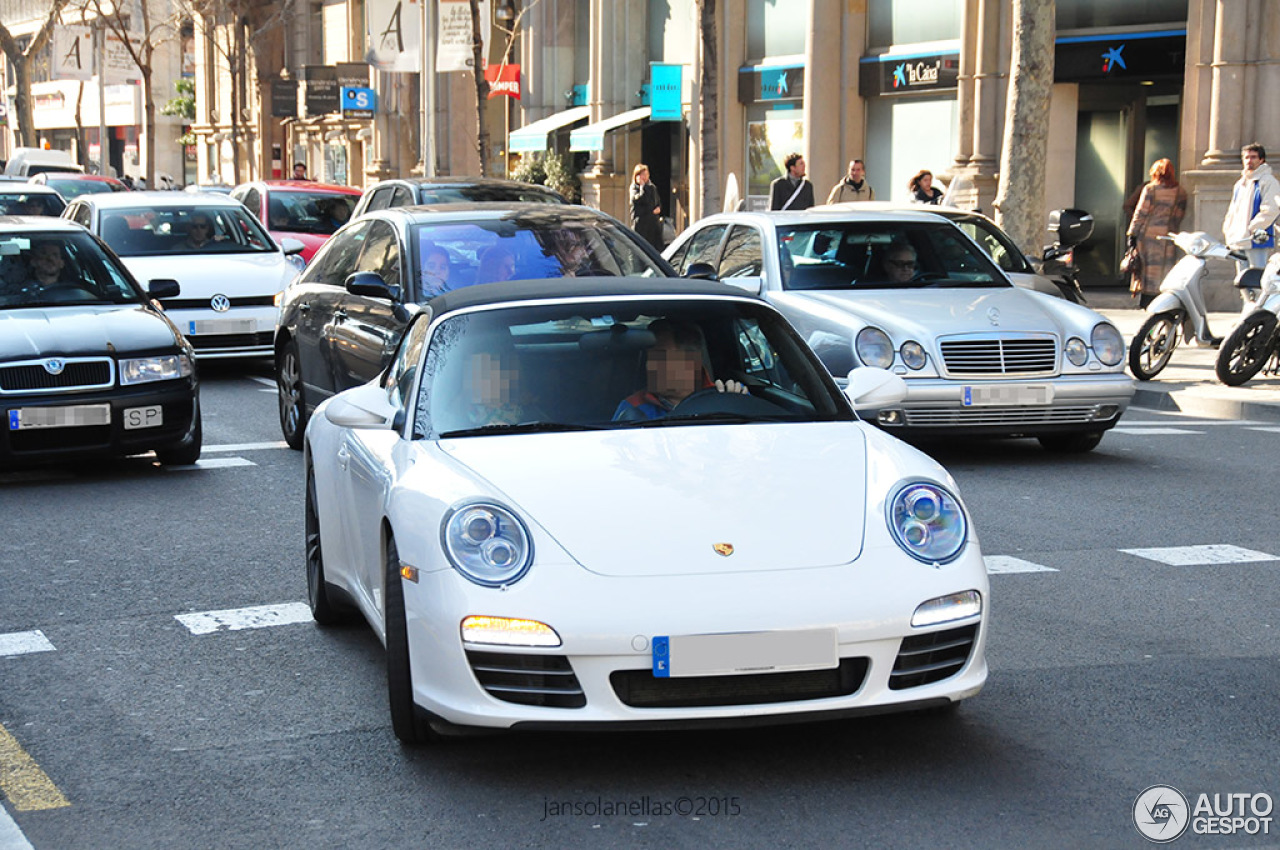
x,y
635,503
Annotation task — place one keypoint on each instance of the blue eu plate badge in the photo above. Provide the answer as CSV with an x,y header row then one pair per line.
x,y
662,657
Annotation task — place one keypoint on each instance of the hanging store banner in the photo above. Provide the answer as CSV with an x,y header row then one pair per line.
x,y
666,83
759,83
395,34
119,61
1135,56
503,79
72,47
322,85
454,51
284,98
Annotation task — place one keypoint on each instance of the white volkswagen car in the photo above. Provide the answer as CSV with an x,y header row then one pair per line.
x,y
228,267
635,503
910,292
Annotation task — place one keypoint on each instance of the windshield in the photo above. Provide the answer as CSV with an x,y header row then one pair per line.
x,y
30,203
55,269
309,212
619,364
76,188
146,232
453,255
881,255
466,194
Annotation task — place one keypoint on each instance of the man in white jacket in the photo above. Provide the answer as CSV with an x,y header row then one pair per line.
x,y
1255,204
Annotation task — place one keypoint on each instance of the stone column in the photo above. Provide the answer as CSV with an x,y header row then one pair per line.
x,y
984,58
824,138
619,48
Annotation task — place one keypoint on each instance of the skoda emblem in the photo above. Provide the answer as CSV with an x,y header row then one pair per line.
x,y
220,303
54,366
725,549
993,314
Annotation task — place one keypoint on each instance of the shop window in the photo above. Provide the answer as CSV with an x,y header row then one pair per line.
x,y
1090,14
891,22
776,29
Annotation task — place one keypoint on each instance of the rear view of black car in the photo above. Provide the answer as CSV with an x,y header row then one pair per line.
x,y
89,366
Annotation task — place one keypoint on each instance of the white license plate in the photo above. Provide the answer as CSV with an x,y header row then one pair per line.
x,y
222,326
1005,395
70,416
151,416
744,652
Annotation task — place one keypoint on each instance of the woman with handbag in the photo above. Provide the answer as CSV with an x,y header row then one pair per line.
x,y
1160,209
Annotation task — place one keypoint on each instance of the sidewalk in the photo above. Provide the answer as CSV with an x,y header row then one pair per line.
x,y
1188,384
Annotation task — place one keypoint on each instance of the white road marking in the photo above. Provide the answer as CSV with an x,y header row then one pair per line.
x,y
1159,430
11,838
1270,429
1189,556
1190,420
235,619
262,380
1009,564
23,643
212,463
245,447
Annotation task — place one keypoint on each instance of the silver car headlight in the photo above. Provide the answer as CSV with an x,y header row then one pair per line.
x,y
1077,353
1108,345
874,348
142,370
928,523
912,354
487,543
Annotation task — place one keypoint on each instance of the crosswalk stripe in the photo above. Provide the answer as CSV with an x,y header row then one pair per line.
x,y
1191,556
235,619
22,780
212,463
245,447
11,838
24,643
262,380
1008,564
1153,430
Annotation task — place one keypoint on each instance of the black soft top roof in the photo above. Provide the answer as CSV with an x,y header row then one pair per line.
x,y
578,287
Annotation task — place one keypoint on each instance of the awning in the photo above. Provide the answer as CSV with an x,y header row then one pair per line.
x,y
591,137
533,137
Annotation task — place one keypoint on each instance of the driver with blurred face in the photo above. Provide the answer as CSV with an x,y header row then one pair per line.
x,y
900,263
674,370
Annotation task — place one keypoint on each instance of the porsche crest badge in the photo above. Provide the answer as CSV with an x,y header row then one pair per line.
x,y
725,549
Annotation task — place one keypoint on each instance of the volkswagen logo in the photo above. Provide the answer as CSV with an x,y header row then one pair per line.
x,y
220,303
54,366
993,315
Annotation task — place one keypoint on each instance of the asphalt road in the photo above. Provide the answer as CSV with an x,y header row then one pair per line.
x,y
1111,671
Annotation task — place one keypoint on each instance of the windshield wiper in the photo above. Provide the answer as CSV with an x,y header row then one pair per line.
x,y
519,428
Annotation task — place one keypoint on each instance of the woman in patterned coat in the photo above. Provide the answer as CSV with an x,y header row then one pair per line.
x,y
1160,209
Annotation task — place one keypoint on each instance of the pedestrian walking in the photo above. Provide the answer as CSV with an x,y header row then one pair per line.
x,y
645,207
1162,203
791,191
299,171
1250,222
922,189
854,186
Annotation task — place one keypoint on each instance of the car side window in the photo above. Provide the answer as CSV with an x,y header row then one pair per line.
x,y
253,200
401,197
81,215
337,259
743,253
380,199
381,254
404,366
701,248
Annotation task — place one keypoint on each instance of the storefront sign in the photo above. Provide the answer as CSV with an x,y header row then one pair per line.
x,y
888,75
454,51
284,98
72,53
358,102
324,81
503,79
1132,56
395,34
666,83
759,83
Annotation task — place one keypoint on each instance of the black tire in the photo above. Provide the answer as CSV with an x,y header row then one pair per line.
x,y
319,598
1245,351
186,452
1071,444
407,720
1154,344
293,405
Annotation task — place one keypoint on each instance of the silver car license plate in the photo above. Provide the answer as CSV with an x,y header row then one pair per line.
x,y
1006,395
744,652
221,326
69,416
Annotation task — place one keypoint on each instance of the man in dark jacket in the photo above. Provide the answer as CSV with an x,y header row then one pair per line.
x,y
791,191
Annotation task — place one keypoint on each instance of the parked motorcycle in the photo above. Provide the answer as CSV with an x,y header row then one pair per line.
x,y
1254,345
1070,228
1178,312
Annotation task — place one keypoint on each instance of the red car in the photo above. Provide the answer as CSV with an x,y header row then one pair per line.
x,y
299,209
72,185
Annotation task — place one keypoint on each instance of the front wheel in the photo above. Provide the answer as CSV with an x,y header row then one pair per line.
x,y
1071,443
324,610
1246,350
1154,343
407,720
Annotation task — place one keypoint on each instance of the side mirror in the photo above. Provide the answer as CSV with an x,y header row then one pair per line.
x,y
870,388
701,271
365,406
163,288
371,285
292,246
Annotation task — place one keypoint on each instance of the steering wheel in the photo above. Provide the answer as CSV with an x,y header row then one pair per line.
x,y
711,400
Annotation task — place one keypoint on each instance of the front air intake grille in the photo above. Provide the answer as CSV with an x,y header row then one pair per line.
x,y
925,659
527,679
31,376
1000,356
204,342
203,303
935,417
641,689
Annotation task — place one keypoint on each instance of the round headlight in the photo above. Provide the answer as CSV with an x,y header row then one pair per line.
x,y
1108,345
912,354
1076,351
928,523
487,543
874,348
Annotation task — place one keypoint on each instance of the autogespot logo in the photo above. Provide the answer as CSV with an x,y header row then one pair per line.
x,y
1160,813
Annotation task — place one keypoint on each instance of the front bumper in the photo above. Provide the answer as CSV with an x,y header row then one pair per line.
x,y
177,399
602,674
235,333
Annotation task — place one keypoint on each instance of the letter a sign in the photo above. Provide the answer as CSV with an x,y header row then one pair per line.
x,y
72,53
395,34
